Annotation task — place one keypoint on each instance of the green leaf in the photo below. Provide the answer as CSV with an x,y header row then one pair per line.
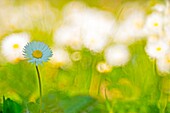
x,y
32,107
9,106
59,102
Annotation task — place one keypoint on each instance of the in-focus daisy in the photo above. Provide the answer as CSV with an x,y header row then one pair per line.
x,y
157,48
37,52
13,45
117,55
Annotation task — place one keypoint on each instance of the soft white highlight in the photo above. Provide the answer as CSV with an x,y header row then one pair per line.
x,y
117,55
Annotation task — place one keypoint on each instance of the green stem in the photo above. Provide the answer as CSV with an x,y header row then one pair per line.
x,y
162,102
40,88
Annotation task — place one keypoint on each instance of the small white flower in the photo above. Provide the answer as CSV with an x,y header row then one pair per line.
x,y
154,23
60,58
157,48
163,63
117,55
13,45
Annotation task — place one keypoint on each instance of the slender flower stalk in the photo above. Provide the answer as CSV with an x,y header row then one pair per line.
x,y
40,87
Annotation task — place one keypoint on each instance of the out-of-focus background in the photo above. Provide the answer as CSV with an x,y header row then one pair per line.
x,y
109,56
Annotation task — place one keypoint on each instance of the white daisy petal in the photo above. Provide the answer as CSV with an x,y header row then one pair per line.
x,y
13,45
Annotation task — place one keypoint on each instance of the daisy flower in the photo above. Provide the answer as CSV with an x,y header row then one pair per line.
x,y
154,23
117,55
157,48
12,46
37,52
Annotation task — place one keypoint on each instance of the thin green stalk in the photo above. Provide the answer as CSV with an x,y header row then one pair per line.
x,y
40,88
162,104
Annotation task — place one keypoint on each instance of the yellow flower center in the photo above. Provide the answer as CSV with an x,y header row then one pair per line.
x,y
158,48
17,60
37,54
168,58
156,24
15,46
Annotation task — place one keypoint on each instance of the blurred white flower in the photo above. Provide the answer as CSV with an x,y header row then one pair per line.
x,y
103,67
95,20
159,8
135,22
12,46
97,27
42,15
88,19
68,35
122,35
163,63
117,55
130,29
13,17
95,42
166,29
73,13
154,23
60,58
26,16
85,24
157,48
